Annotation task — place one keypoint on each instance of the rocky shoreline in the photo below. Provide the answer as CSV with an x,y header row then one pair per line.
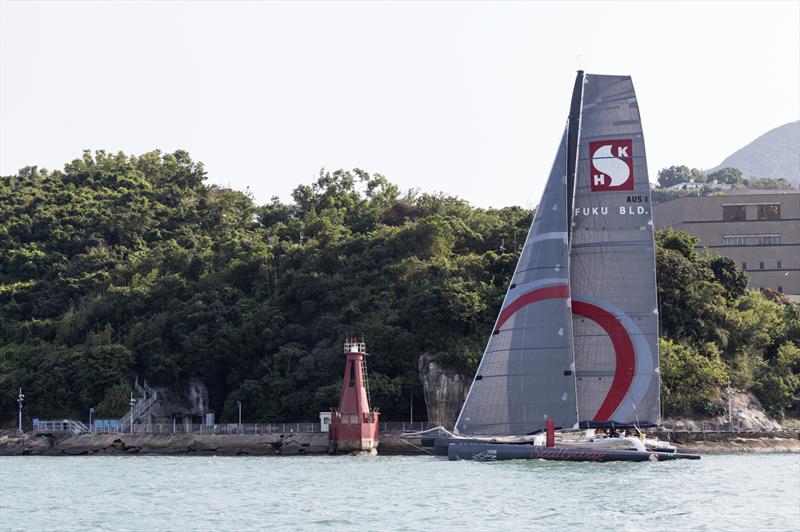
x,y
727,442
294,444
162,444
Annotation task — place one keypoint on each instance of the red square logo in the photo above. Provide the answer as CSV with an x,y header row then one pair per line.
x,y
611,165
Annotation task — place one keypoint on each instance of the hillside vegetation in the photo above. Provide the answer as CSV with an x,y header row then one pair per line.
x,y
121,265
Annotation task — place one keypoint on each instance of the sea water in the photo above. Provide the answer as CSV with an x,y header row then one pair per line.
x,y
723,492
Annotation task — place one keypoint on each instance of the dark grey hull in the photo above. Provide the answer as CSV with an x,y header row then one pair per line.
x,y
510,451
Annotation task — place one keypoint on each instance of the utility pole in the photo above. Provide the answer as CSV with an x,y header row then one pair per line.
x,y
239,404
730,408
133,402
20,399
412,408
91,411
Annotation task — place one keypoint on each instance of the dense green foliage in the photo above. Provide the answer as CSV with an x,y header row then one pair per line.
x,y
131,265
707,185
716,331
727,176
119,265
674,175
772,183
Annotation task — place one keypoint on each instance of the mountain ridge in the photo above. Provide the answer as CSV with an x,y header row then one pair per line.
x,y
774,154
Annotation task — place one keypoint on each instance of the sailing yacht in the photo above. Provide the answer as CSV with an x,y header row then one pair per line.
x,y
575,344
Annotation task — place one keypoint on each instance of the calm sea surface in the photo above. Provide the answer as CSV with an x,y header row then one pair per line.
x,y
728,492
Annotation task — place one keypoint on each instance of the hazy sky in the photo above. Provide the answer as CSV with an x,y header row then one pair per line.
x,y
465,98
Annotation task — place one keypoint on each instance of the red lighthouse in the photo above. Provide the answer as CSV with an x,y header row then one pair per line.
x,y
354,427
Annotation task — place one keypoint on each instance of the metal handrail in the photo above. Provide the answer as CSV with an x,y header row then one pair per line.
x,y
148,396
132,415
63,425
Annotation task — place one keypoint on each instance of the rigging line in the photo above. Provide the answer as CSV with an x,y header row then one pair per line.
x,y
415,446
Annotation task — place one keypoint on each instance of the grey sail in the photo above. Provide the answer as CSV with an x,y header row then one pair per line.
x,y
613,283
526,373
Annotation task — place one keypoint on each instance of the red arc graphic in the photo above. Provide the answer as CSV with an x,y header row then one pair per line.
x,y
620,339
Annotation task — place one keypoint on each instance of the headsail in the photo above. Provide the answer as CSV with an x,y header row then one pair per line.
x,y
526,374
614,305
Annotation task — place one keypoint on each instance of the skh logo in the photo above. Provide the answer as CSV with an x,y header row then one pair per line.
x,y
611,166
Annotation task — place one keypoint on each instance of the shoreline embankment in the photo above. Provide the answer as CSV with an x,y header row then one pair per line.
x,y
293,444
733,442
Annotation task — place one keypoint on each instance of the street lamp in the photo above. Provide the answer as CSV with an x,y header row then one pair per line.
x,y
20,399
133,402
239,404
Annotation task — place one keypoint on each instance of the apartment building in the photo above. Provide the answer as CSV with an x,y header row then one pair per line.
x,y
759,230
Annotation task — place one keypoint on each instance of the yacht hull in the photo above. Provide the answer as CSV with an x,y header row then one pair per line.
x,y
483,451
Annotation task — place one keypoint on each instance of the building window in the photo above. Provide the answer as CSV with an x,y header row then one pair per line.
x,y
732,213
744,265
770,240
760,265
780,289
733,240
769,212
780,265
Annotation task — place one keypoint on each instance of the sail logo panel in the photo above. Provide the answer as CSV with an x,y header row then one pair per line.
x,y
611,165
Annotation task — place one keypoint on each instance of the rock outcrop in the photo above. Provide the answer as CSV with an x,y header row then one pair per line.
x,y
444,391
748,416
190,405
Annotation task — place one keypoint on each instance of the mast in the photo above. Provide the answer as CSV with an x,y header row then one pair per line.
x,y
573,133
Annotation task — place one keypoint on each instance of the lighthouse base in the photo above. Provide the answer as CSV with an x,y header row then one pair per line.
x,y
353,437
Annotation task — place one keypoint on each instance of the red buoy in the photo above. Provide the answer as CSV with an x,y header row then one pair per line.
x,y
354,426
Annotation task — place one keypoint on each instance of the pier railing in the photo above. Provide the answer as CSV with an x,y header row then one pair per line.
x,y
254,428
61,426
735,426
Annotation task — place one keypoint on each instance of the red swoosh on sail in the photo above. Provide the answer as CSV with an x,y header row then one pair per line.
x,y
560,291
623,347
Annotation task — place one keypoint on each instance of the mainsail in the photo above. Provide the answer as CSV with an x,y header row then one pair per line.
x,y
613,280
576,340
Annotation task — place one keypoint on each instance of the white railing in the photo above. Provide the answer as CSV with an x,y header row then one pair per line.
x,y
64,425
256,428
224,428
736,426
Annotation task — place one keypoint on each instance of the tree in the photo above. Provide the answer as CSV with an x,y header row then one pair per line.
x,y
691,378
726,176
729,275
779,183
674,175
